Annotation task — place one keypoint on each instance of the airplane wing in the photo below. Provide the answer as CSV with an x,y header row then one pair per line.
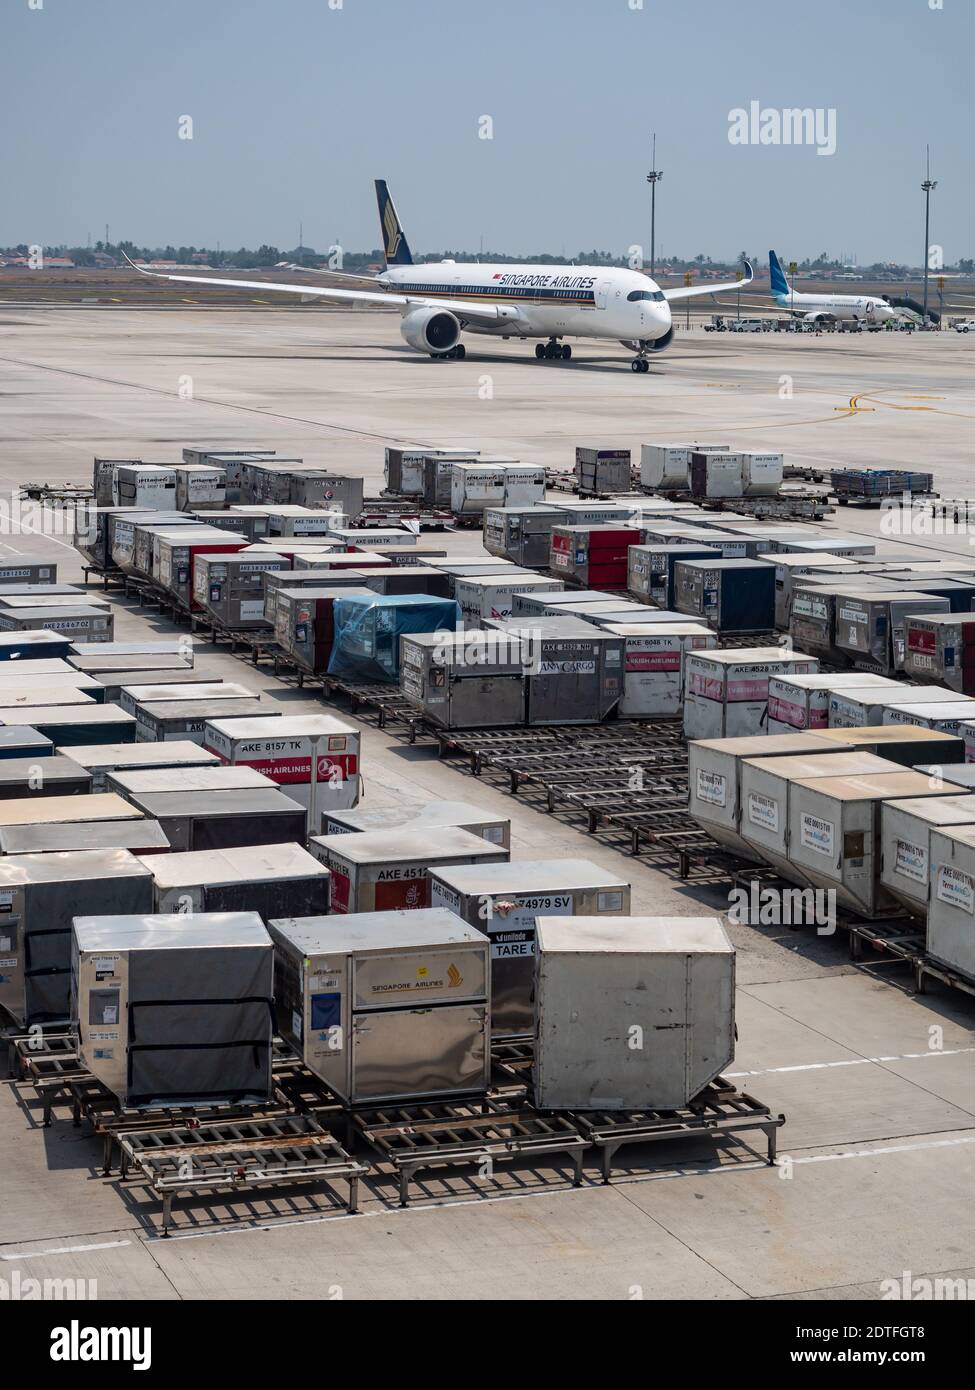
x,y
692,291
463,308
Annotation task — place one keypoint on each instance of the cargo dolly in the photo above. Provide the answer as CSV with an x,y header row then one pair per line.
x,y
871,486
27,1044
901,940
238,1156
392,507
452,1134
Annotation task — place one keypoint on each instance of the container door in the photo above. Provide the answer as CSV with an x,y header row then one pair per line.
x,y
420,1052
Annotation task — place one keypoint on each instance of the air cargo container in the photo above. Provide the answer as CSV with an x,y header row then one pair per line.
x,y
200,485
319,488
186,719
901,743
490,595
602,470
252,527
48,595
404,467
133,696
906,828
93,657
19,741
47,669
714,778
230,460
956,776
407,579
130,538
583,512
506,901
332,564
666,467
287,750
635,615
574,676
94,533
653,666
222,820
854,709
386,1006
431,556
38,643
494,482
870,628
830,544
62,809
522,534
948,716
715,475
475,569
951,902
30,697
274,581
941,647
28,571
598,979
69,725
52,776
726,692
268,480
41,894
729,595
438,477
368,631
304,618
650,569
765,787
254,878
525,604
175,1010
796,702
66,837
375,538
112,683
592,557
379,870
495,829
175,558
144,485
79,621
792,567
207,777
231,587
465,680
103,478
99,759
303,521
761,474
834,833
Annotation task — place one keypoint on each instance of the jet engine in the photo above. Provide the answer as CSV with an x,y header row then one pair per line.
x,y
430,329
650,344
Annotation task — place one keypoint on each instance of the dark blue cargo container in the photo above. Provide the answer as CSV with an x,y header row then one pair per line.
x,y
20,741
74,725
37,643
729,595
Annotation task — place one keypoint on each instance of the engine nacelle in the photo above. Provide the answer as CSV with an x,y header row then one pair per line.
x,y
430,329
650,344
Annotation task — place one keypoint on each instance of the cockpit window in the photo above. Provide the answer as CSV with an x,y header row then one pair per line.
x,y
656,295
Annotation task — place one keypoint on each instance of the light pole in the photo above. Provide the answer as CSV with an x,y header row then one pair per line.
x,y
927,187
653,178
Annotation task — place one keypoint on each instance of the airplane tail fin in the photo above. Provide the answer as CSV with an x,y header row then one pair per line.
x,y
395,245
780,284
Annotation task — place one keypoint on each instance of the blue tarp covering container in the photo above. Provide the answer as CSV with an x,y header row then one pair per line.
x,y
367,631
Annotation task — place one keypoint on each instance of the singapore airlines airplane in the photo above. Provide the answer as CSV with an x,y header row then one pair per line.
x,y
827,308
441,300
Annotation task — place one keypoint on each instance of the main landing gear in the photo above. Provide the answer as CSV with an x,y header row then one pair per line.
x,y
455,354
552,351
639,364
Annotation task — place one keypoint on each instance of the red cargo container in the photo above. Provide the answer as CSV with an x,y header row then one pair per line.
x,y
593,557
941,647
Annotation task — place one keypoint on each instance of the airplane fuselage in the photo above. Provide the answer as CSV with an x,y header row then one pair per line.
x,y
865,308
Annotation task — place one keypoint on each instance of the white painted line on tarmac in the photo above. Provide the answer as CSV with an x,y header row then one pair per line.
x,y
850,1062
64,1250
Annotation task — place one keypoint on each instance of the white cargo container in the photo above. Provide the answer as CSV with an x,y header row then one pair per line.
x,y
948,716
148,485
475,819
967,732
653,665
714,778
384,870
906,828
951,905
474,486
727,691
665,466
490,595
761,474
834,833
857,709
598,979
802,702
199,485
287,748
254,878
871,630
376,537
794,565
101,759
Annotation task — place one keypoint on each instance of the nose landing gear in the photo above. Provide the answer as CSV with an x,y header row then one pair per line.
x,y
553,350
639,364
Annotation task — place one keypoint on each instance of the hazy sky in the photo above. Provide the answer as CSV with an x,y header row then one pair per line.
x,y
298,104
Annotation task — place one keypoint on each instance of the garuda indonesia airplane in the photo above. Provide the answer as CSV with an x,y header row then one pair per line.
x,y
442,300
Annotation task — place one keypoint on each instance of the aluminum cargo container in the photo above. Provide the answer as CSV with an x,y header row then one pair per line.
x,y
67,837
404,467
252,527
602,470
47,776
231,587
714,777
70,725
275,581
653,666
80,621
438,477
495,829
761,474
430,556
716,475
144,485
906,828
19,741
870,628
230,460
44,595
375,538
475,569
386,1005
37,644
862,707
465,680
834,833
93,657
667,466
302,521
304,618
180,720
287,749
592,557
200,485
30,697
598,979
208,777
268,480
103,478
319,488
726,692
48,669
574,676
100,759
765,786
960,776
254,878
729,595
130,538
223,820
483,483
41,893
525,604
175,1010
951,902
650,569
832,544
114,682
522,534
901,743
380,870
941,647
490,595
56,810
134,696
506,902
407,579
28,571
791,567
948,716
175,558
368,631
796,702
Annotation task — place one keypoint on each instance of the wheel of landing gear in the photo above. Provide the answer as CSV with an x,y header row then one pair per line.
x,y
636,365
566,352
460,352
539,350
644,365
